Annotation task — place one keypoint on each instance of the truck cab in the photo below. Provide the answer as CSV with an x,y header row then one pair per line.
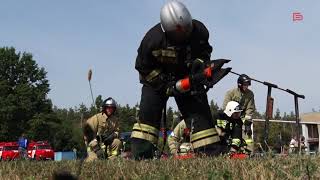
x,y
9,151
40,150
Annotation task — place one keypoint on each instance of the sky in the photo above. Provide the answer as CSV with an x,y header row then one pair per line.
x,y
68,38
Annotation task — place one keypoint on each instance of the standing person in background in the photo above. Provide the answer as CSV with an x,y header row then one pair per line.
x,y
303,145
245,97
23,144
293,145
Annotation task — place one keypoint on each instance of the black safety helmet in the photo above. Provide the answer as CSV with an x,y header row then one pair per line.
x,y
243,78
109,102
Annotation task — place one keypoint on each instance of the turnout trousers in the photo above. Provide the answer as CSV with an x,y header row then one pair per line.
x,y
195,111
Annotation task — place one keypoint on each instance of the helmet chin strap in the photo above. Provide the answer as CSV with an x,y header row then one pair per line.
x,y
162,28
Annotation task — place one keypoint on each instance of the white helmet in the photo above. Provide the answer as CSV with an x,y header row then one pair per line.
x,y
176,21
232,107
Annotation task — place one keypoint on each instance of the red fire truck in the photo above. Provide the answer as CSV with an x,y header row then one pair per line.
x,y
9,151
40,150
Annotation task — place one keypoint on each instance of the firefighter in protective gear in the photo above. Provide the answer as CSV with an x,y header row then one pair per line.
x,y
245,97
101,133
229,126
172,50
179,139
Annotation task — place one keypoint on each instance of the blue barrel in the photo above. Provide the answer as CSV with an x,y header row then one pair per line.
x,y
69,155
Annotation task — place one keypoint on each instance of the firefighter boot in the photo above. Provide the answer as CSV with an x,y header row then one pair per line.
x,y
212,149
142,149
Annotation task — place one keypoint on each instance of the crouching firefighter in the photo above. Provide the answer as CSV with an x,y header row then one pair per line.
x,y
174,61
179,140
245,97
101,133
229,126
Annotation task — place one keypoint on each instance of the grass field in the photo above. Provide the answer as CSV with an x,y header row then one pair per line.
x,y
293,167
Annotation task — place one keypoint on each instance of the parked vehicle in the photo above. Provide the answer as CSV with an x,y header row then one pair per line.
x,y
9,151
40,150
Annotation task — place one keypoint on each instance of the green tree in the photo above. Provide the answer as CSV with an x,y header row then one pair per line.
x,y
278,114
257,115
69,135
23,95
126,116
214,107
290,117
170,118
99,101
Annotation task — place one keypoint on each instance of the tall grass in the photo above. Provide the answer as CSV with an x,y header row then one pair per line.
x,y
292,167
